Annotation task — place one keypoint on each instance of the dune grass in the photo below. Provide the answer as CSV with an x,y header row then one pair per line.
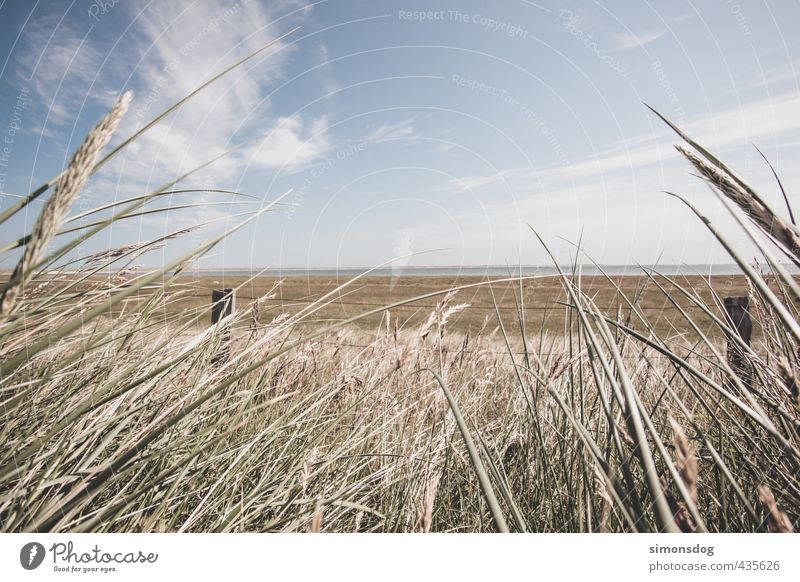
x,y
118,414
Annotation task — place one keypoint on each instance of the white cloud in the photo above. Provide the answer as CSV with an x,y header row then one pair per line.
x,y
766,80
286,147
385,131
172,50
182,48
60,66
627,40
732,128
614,200
477,182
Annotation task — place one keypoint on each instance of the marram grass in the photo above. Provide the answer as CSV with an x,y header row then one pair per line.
x,y
116,414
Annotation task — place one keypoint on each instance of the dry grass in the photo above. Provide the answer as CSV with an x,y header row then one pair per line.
x,y
52,215
117,412
349,426
541,299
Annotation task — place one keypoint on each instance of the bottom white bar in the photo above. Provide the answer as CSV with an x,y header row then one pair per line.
x,y
405,557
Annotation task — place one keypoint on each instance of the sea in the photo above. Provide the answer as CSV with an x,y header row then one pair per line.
x,y
478,271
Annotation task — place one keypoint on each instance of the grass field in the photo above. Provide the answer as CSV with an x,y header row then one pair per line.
x,y
541,300
553,404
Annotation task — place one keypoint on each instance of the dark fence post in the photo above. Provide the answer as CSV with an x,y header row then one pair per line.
x,y
223,304
739,319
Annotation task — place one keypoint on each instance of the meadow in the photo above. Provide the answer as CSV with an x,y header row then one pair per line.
x,y
524,404
540,299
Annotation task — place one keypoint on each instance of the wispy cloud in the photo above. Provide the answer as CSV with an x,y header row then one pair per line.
x,y
290,146
60,65
184,47
385,131
768,80
627,40
587,197
475,182
735,127
172,51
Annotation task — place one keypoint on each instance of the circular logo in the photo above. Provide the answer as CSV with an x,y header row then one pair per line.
x,y
31,555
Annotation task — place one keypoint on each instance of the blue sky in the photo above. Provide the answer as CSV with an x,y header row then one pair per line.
x,y
424,133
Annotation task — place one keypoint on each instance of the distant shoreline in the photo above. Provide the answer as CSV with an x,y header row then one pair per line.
x,y
455,271
475,271
443,272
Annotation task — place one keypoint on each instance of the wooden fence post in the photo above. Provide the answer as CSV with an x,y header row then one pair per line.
x,y
739,319
223,304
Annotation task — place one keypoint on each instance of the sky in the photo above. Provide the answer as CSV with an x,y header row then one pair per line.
x,y
402,132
